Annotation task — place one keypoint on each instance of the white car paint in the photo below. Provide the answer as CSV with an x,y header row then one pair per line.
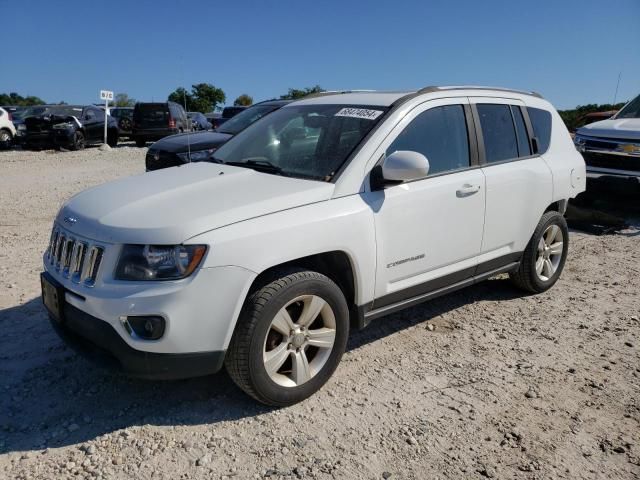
x,y
253,221
5,123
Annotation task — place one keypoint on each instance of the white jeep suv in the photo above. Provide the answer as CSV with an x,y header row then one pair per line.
x,y
332,211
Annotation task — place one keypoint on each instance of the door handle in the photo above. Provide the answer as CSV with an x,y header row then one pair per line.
x,y
466,190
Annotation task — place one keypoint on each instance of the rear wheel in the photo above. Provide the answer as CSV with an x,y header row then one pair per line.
x,y
289,339
545,255
140,142
78,141
5,138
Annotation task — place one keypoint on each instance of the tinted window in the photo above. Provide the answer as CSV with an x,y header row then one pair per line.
x,y
440,134
541,123
524,149
631,110
498,132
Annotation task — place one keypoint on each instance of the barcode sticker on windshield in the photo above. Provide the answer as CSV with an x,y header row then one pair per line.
x,y
359,113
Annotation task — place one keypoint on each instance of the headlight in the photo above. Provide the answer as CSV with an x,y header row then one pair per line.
x,y
22,126
198,156
62,126
158,262
580,143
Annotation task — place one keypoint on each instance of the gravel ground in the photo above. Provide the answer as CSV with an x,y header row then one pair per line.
x,y
485,382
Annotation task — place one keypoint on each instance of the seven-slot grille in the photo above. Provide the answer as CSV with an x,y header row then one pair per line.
x,y
74,258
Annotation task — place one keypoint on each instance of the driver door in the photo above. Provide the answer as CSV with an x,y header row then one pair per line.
x,y
429,231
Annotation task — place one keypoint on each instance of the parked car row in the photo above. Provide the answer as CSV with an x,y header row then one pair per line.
x,y
74,126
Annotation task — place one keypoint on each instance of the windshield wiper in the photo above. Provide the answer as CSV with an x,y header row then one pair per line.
x,y
259,165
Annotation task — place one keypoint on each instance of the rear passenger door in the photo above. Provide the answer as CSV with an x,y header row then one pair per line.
x,y
518,182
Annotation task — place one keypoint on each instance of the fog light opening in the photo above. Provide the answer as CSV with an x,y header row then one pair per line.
x,y
146,327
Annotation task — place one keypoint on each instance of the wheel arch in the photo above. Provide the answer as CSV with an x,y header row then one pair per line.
x,y
335,264
559,206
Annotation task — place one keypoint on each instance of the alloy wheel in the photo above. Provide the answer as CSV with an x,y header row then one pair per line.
x,y
299,341
549,254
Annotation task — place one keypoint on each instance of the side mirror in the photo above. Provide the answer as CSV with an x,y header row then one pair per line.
x,y
400,166
404,165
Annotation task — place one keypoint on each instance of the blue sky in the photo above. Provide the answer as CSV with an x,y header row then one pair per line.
x,y
571,51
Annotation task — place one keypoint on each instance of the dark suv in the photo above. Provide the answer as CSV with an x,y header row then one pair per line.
x,y
153,121
199,147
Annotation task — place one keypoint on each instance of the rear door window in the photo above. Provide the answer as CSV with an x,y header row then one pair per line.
x,y
498,132
440,134
541,123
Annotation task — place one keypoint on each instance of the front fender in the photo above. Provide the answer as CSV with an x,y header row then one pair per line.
x,y
344,224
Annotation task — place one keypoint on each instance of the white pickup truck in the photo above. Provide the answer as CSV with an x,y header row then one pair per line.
x,y
330,212
611,148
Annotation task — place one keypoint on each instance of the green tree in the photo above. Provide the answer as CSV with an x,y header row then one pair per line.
x,y
202,98
123,100
294,93
243,100
14,98
572,118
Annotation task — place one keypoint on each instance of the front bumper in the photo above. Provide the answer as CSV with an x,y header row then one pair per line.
x,y
38,140
99,342
63,138
200,313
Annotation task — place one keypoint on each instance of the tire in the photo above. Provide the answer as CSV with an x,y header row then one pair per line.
x,y
112,138
540,267
140,142
125,124
6,139
78,141
294,291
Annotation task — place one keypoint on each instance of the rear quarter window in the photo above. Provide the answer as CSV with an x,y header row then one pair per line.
x,y
541,123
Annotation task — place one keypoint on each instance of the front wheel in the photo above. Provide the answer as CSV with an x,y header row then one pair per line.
x,y
289,339
78,141
545,255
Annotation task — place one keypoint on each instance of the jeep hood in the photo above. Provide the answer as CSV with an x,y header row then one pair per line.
x,y
623,128
170,206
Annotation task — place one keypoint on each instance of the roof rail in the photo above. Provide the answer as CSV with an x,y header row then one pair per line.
x,y
431,89
332,92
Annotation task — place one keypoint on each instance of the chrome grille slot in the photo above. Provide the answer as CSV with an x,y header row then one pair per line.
x,y
74,258
95,258
52,246
67,250
78,261
59,245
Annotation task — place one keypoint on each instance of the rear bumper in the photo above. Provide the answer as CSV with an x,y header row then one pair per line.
x,y
98,341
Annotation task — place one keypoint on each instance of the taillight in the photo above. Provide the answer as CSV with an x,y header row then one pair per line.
x,y
10,117
172,123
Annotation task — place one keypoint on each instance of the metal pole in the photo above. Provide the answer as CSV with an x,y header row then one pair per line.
x,y
106,107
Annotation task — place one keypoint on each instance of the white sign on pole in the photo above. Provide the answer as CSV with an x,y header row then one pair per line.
x,y
106,95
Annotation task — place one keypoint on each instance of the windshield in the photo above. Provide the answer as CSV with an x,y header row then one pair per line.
x,y
632,110
308,141
242,120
